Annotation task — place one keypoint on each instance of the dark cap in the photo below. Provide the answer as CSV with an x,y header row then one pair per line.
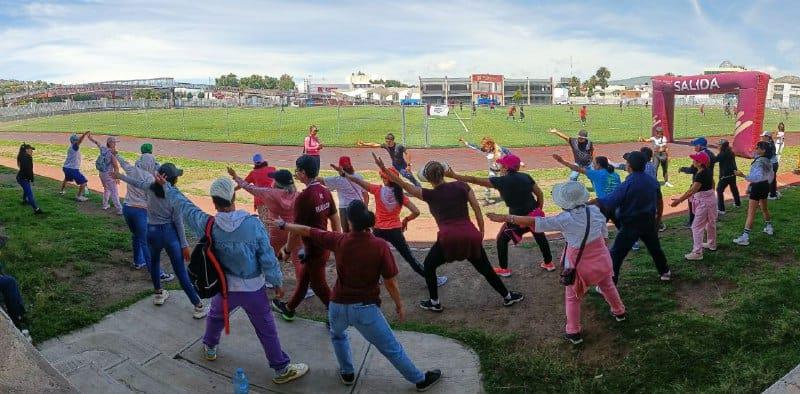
x,y
169,170
636,159
282,177
308,165
27,146
583,134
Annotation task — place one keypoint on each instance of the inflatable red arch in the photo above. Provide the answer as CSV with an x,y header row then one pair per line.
x,y
750,85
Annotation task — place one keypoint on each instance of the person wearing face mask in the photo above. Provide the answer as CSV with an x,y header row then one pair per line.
x,y
524,198
107,166
759,177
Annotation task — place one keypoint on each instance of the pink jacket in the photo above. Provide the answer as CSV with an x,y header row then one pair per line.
x,y
311,145
279,203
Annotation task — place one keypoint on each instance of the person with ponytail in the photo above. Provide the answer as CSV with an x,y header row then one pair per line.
x,y
389,201
361,261
25,176
165,232
346,189
457,239
601,174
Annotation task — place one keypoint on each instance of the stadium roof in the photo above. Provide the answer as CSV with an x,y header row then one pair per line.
x,y
793,79
631,82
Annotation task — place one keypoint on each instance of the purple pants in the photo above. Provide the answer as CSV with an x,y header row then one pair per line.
x,y
256,305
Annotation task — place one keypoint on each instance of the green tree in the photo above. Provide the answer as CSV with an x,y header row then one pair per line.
x,y
574,86
285,82
602,75
270,82
589,85
252,82
147,94
189,96
389,83
229,80
517,97
201,95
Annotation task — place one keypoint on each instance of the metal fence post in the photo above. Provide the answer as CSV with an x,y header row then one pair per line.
x,y
338,116
427,133
403,122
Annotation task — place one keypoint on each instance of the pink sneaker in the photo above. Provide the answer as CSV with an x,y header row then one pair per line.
x,y
504,272
549,267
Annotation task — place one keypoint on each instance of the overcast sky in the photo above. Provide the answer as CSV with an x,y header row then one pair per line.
x,y
83,41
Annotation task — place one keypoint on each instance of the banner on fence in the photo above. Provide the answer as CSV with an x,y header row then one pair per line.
x,y
438,110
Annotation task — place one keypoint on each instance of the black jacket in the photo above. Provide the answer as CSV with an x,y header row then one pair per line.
x,y
25,168
727,164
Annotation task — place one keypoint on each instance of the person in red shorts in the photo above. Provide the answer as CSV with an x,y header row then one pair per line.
x,y
314,207
259,176
457,239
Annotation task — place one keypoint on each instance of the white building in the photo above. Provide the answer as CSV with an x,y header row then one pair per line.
x,y
784,92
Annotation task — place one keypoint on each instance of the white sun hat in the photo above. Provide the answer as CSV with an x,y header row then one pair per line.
x,y
222,188
569,195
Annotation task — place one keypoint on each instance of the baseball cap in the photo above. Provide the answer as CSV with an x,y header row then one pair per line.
x,y
222,188
583,134
112,139
700,142
146,148
308,165
660,129
636,159
282,177
27,146
509,161
257,158
169,170
766,133
345,162
74,138
700,157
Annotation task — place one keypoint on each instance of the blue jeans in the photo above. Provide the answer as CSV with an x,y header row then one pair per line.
x,y
408,175
136,218
13,299
164,236
369,321
27,193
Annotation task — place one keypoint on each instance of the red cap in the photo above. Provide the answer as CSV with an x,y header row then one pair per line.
x,y
510,162
700,157
344,162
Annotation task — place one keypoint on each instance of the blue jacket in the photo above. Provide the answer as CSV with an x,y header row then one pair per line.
x,y
244,251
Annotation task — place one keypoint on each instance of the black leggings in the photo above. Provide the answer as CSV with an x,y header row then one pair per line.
x,y
727,181
504,236
395,237
661,159
435,258
773,186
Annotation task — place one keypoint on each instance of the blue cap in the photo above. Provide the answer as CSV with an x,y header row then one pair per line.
x,y
700,142
257,158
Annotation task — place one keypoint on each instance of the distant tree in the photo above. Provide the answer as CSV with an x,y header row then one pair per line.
x,y
82,97
574,86
285,82
517,97
147,94
201,95
589,85
252,82
270,82
189,96
602,75
389,83
229,80
670,74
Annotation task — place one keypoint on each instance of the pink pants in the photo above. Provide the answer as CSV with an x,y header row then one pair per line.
x,y
110,191
593,269
704,206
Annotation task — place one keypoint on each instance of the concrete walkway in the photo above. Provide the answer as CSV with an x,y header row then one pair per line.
x,y
152,349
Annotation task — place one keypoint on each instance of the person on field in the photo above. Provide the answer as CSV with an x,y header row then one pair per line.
x,y
583,113
242,247
703,198
521,114
774,194
523,197
512,113
389,201
661,153
401,159
259,176
347,190
493,153
457,239
582,150
312,145
362,260
165,232
635,202
135,208
586,251
760,176
314,207
699,145
72,167
601,174
727,176
107,166
25,176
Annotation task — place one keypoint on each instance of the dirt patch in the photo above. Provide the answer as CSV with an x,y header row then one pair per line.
x,y
704,297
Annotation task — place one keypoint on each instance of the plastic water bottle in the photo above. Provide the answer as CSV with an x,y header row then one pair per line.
x,y
240,384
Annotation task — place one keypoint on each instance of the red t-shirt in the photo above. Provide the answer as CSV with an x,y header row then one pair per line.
x,y
312,208
583,112
448,202
361,259
387,217
260,177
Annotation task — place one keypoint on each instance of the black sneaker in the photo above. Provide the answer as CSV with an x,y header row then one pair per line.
x,y
280,307
347,378
621,317
515,298
428,305
576,338
431,378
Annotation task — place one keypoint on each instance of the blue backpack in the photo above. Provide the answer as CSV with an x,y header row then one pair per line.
x,y
103,161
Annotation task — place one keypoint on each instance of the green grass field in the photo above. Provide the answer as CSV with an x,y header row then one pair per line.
x,y
346,125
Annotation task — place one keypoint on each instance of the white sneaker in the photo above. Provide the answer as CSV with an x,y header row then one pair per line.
x,y
666,277
720,213
166,277
441,280
667,184
269,286
292,372
597,290
62,192
81,198
200,311
693,256
309,293
160,298
772,198
743,240
707,245
769,230
27,335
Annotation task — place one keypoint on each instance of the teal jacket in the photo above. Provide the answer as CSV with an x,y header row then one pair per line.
x,y
241,242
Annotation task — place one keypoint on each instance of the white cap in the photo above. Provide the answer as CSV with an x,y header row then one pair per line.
x,y
222,188
766,133
570,194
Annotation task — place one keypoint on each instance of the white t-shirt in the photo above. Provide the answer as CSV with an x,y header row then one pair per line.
x,y
73,157
572,224
659,143
347,191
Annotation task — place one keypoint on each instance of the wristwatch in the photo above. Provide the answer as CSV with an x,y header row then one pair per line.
x,y
281,224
